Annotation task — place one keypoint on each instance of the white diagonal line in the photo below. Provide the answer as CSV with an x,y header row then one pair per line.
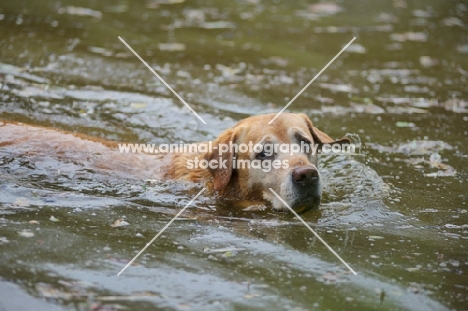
x,y
312,230
161,79
160,232
311,81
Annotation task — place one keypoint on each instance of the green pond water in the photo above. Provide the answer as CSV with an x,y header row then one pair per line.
x,y
396,213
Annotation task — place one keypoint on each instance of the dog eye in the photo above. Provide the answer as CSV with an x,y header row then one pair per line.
x,y
261,156
305,141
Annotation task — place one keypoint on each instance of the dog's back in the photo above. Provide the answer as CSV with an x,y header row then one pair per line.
x,y
90,152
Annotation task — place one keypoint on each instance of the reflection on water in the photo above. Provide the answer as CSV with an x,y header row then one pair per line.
x,y
396,213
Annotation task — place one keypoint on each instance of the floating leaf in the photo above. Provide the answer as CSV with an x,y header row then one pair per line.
x,y
138,105
120,223
405,124
100,51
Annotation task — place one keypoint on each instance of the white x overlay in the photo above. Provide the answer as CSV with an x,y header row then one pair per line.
x,y
203,121
312,230
160,232
162,80
311,81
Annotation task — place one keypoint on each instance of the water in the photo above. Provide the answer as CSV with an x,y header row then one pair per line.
x,y
397,213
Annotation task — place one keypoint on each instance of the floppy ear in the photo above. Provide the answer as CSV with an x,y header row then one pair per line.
x,y
320,137
222,175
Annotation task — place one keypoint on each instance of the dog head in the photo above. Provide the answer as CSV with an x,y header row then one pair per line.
x,y
281,156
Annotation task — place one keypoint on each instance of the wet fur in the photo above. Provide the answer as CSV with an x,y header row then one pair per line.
x,y
242,184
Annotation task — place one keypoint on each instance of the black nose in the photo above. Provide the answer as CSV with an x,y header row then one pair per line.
x,y
305,175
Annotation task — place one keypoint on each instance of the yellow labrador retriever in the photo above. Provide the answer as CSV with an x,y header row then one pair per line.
x,y
243,162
